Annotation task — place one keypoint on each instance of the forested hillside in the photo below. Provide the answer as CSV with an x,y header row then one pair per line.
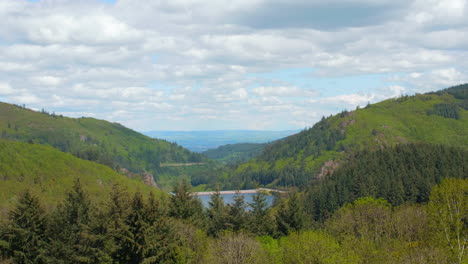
x,y
107,143
49,173
235,153
399,174
434,118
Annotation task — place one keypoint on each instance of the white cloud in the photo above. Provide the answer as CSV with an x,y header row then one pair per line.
x,y
47,80
6,89
349,99
163,63
285,91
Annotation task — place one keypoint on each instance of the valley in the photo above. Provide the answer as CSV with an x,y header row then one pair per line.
x,y
395,163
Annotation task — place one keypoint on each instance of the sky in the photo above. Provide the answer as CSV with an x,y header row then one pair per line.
x,y
226,64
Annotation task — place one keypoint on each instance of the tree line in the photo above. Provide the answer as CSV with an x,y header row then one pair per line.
x,y
138,229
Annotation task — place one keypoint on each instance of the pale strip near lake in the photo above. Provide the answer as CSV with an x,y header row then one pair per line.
x,y
228,196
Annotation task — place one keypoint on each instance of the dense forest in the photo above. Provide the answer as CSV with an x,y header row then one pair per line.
x,y
235,153
404,173
433,118
136,228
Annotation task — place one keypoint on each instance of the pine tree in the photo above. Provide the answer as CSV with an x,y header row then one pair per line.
x,y
290,216
237,215
137,227
26,231
216,214
184,205
72,240
259,215
116,228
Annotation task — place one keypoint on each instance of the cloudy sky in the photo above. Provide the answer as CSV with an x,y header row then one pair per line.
x,y
226,64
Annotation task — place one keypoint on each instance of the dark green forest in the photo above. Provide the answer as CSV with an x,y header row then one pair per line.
x,y
136,228
235,153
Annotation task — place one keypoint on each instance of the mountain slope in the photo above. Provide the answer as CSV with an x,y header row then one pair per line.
x,y
50,173
107,143
435,118
235,153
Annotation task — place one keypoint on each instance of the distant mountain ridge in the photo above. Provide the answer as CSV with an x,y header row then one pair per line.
x,y
200,141
433,118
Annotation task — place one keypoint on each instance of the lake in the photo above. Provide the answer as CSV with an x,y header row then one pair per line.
x,y
229,198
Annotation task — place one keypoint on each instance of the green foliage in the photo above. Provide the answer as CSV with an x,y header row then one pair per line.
x,y
185,206
216,214
139,230
445,110
366,218
448,209
49,173
297,160
291,217
235,153
237,216
314,247
397,174
260,220
26,233
107,143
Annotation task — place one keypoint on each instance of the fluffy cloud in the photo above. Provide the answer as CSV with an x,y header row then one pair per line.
x,y
5,89
192,64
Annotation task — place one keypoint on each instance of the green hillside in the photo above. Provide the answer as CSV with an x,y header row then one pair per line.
x,y
50,173
435,118
235,153
107,143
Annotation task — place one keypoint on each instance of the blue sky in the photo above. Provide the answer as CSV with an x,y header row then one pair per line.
x,y
219,64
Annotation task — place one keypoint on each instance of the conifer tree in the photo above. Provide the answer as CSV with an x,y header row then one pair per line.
x,y
26,231
290,216
185,206
259,215
216,214
137,226
237,214
72,240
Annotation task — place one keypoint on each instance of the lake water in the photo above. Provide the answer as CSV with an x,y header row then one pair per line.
x,y
229,198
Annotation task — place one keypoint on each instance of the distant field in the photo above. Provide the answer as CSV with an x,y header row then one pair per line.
x,y
199,141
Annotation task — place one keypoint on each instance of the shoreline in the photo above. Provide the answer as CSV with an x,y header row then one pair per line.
x,y
238,191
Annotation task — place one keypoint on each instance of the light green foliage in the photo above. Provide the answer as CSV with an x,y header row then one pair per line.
x,y
448,209
49,173
273,252
366,218
107,143
314,247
